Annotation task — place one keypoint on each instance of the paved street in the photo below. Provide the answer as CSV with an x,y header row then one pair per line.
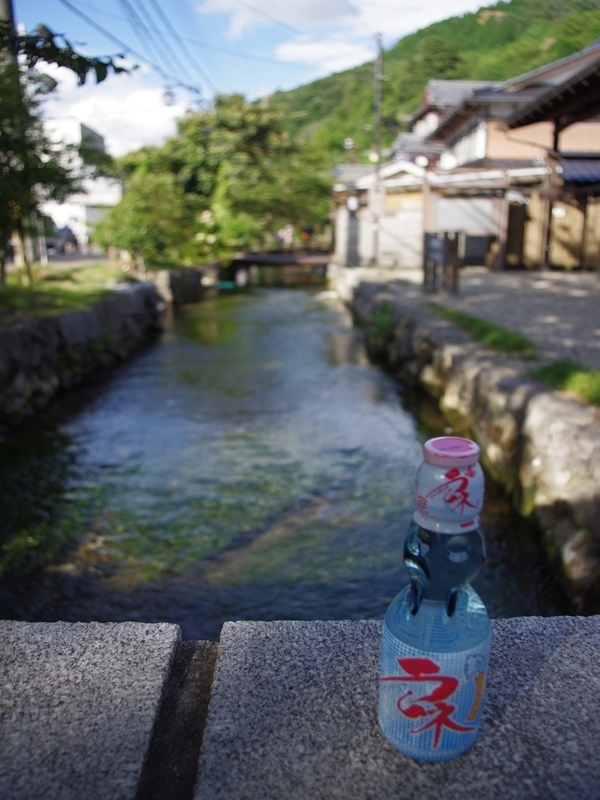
x,y
559,311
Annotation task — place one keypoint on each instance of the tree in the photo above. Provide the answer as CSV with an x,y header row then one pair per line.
x,y
154,221
238,173
32,167
439,59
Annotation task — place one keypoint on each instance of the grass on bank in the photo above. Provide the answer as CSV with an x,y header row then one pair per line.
x,y
56,290
568,376
563,374
494,336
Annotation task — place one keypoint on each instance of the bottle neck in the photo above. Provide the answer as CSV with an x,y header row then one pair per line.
x,y
439,564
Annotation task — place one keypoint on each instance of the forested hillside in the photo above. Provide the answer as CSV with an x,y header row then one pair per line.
x,y
237,171
495,43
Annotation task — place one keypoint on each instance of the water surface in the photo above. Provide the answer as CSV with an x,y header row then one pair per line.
x,y
251,465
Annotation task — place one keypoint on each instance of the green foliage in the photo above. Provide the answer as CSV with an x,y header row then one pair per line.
x,y
490,334
439,57
383,320
151,221
44,46
569,376
32,168
379,329
495,43
229,178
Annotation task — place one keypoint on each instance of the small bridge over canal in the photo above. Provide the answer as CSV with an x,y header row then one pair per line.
x,y
287,262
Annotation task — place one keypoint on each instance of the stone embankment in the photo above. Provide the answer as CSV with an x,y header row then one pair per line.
x,y
184,285
42,356
542,446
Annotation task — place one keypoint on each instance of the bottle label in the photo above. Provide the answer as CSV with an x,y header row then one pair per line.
x,y
430,703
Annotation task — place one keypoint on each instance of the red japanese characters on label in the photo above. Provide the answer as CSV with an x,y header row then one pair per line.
x,y
430,704
448,497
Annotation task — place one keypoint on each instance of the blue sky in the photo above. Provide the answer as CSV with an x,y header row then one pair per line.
x,y
249,46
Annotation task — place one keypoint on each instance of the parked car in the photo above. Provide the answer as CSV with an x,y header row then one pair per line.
x,y
63,240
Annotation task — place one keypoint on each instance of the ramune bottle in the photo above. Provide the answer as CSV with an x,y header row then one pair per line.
x,y
436,632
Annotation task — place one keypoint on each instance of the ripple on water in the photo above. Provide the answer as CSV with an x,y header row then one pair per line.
x,y
251,465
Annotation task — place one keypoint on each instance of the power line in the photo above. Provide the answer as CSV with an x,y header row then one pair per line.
x,y
267,16
352,8
167,22
378,75
165,75
167,44
189,22
356,13
195,42
349,5
149,43
145,17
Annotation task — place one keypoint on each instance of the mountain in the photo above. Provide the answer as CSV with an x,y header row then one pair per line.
x,y
495,43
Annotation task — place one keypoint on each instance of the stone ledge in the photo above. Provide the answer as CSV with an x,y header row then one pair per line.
x,y
77,706
294,714
86,710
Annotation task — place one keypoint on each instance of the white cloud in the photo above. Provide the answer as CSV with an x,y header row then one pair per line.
x,y
357,17
244,17
127,110
326,56
333,35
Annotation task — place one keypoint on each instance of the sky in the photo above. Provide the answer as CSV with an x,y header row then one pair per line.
x,y
249,46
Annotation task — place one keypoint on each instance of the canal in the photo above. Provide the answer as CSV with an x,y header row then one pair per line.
x,y
250,465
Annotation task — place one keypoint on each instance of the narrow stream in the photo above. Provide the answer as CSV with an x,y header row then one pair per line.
x,y
251,465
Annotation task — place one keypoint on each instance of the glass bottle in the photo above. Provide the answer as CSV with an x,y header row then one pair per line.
x,y
436,632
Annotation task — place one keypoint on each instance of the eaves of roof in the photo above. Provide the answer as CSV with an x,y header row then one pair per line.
x,y
388,171
528,77
492,176
449,122
580,171
579,97
471,105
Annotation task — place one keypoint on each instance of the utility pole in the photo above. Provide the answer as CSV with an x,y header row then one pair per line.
x,y
7,13
377,141
551,185
25,237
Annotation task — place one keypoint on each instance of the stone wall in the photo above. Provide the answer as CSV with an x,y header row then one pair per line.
x,y
182,285
542,446
40,357
178,286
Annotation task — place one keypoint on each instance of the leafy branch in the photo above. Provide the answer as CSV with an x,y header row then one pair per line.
x,y
51,48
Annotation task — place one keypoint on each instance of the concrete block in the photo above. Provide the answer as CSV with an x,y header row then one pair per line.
x,y
294,714
77,706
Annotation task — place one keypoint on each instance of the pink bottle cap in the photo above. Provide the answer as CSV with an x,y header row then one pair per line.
x,y
451,451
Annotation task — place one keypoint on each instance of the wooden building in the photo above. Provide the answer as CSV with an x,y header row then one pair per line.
x,y
473,168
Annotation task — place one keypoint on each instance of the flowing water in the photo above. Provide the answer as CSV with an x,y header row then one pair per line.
x,y
250,465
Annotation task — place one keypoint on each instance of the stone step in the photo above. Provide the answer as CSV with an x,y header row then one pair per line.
x,y
294,714
78,704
